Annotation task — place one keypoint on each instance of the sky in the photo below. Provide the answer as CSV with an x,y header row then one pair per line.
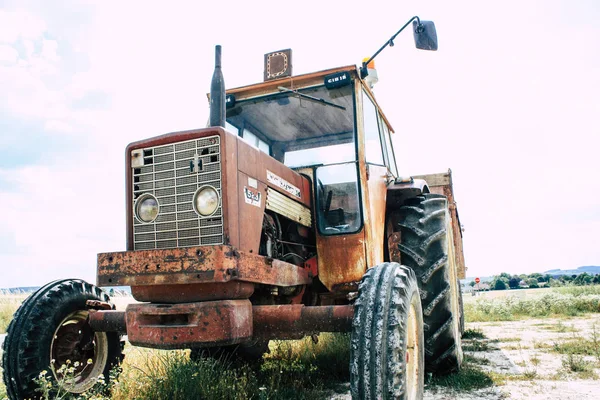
x,y
509,102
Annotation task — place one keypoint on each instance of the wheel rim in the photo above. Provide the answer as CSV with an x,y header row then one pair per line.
x,y
73,344
412,354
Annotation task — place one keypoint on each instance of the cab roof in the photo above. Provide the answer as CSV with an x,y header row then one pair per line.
x,y
300,81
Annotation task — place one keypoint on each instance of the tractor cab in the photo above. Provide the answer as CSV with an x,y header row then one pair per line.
x,y
328,127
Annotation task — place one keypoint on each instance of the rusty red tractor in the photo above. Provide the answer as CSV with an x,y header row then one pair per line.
x,y
286,217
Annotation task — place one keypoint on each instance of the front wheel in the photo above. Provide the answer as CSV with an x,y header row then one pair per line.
x,y
387,353
51,330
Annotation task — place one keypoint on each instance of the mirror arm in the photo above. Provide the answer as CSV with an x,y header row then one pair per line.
x,y
363,70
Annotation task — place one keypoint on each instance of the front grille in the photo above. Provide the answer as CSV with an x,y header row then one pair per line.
x,y
166,174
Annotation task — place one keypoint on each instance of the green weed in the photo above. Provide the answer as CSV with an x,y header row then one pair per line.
x,y
473,334
579,365
475,346
470,377
293,370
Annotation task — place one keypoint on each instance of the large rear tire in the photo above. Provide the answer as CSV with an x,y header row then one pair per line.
x,y
426,247
52,325
386,353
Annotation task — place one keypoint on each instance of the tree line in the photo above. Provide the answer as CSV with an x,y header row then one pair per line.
x,y
507,281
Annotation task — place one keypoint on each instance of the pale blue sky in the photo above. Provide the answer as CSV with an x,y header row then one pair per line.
x,y
509,102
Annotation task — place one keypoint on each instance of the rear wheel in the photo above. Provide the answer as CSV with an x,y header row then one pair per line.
x,y
427,248
386,354
50,330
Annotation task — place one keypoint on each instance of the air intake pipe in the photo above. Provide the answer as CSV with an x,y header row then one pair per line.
x,y
217,93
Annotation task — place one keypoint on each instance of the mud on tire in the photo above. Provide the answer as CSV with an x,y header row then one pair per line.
x,y
386,354
424,247
51,324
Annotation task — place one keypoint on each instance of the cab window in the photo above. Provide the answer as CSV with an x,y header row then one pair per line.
x,y
373,150
255,141
389,150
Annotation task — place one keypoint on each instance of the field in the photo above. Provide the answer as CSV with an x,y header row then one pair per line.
x,y
536,344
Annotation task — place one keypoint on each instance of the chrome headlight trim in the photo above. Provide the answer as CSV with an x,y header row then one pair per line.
x,y
140,202
215,205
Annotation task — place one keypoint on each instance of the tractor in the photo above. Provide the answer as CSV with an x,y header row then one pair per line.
x,y
284,218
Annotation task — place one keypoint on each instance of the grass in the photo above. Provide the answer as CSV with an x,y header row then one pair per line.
x,y
560,327
8,306
293,370
475,345
570,301
473,334
579,346
580,366
470,377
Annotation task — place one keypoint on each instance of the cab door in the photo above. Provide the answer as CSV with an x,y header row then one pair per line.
x,y
380,168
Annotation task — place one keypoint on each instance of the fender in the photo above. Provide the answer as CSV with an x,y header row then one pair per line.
x,y
402,189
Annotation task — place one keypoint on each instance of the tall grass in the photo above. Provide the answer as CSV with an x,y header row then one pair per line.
x,y
293,370
579,290
8,306
566,302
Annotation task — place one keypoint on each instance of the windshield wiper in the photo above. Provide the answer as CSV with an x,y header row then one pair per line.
x,y
318,100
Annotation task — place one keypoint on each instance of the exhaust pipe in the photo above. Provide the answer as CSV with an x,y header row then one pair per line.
x,y
217,93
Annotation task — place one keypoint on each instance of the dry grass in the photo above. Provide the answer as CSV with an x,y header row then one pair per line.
x,y
8,306
293,370
552,303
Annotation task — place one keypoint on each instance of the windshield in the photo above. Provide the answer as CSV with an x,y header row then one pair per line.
x,y
300,128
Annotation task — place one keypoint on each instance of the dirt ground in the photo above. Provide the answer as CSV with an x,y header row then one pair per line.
x,y
523,354
521,358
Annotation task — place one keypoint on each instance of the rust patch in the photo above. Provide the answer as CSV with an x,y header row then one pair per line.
x,y
296,321
107,321
203,264
180,326
341,259
191,292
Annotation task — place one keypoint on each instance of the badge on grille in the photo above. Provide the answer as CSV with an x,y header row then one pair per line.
x,y
196,164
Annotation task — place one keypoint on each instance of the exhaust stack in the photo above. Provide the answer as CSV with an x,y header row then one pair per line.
x,y
217,93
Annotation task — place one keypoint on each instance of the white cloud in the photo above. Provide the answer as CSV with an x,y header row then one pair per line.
x,y
19,24
8,55
54,125
49,48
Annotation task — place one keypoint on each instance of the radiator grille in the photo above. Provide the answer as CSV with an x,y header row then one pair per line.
x,y
166,175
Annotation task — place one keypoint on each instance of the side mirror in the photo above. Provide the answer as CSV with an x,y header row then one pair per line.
x,y
425,35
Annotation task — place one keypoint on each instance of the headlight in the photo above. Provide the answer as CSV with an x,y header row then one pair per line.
x,y
206,201
146,208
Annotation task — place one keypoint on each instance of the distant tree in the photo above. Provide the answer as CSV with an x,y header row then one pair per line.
x,y
513,282
500,283
537,276
505,276
547,278
554,282
472,283
583,279
533,283
596,279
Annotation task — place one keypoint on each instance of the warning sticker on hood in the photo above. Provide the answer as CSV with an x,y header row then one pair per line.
x,y
283,184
